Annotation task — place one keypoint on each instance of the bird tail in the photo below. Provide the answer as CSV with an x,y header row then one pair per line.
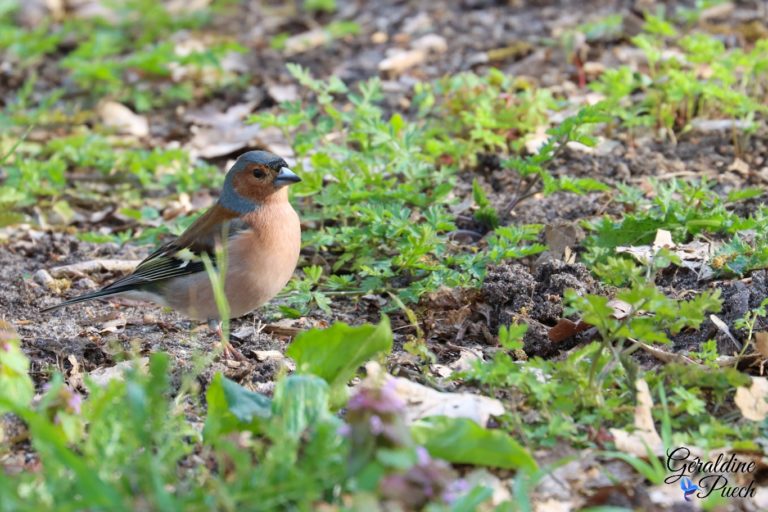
x,y
83,298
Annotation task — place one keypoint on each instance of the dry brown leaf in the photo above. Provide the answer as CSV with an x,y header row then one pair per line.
x,y
402,60
114,325
663,240
751,401
562,236
212,142
218,133
75,378
431,42
467,357
621,309
102,376
694,255
122,119
283,92
305,41
644,437
761,343
739,166
565,328
422,402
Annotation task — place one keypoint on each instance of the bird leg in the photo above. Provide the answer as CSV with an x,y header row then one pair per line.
x,y
229,351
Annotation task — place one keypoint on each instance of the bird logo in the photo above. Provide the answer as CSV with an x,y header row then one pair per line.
x,y
688,488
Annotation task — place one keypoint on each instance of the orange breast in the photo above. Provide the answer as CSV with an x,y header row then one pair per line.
x,y
261,261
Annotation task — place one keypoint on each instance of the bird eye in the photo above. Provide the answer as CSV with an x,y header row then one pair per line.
x,y
258,174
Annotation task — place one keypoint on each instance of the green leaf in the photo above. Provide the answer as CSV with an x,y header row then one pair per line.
x,y
15,383
231,407
300,401
462,441
472,500
51,444
335,354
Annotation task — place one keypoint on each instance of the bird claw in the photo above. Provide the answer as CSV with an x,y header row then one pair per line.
x,y
230,352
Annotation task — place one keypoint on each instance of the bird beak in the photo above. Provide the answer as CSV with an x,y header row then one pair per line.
x,y
285,177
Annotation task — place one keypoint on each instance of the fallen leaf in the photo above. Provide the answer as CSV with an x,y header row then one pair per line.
x,y
209,115
283,92
114,325
739,166
402,60
561,236
103,376
422,402
621,309
663,240
565,328
644,437
305,41
218,133
761,343
75,378
431,42
751,401
122,119
694,255
467,358
219,141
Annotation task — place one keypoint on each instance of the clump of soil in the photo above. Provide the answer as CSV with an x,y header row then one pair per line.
x,y
510,294
517,296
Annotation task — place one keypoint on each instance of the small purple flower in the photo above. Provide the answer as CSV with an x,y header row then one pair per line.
x,y
7,347
344,430
74,401
383,400
455,490
377,427
422,456
390,400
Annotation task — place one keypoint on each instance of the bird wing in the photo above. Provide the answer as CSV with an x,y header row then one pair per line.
x,y
182,256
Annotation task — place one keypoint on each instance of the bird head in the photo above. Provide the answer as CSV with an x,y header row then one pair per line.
x,y
253,179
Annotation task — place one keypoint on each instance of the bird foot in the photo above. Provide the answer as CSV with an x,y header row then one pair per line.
x,y
229,352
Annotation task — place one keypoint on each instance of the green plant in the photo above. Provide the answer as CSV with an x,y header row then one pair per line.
x,y
109,51
639,313
748,322
382,218
683,208
701,78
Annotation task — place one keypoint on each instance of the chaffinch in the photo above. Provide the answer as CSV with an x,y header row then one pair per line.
x,y
263,239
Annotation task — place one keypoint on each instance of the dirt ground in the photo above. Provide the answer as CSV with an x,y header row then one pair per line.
x,y
97,334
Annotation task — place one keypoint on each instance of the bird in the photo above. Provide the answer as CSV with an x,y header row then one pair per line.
x,y
258,226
